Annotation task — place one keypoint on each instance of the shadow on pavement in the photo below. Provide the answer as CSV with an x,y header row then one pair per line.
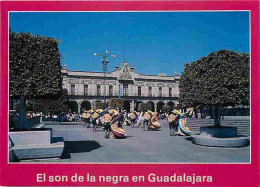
x,y
78,147
129,136
189,138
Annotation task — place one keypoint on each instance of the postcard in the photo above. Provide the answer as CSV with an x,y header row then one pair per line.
x,y
129,93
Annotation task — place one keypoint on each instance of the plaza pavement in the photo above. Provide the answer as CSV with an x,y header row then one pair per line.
x,y
82,145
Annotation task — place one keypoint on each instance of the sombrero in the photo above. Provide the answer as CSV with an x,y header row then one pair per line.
x,y
176,112
95,115
84,115
99,110
107,118
132,116
147,115
150,112
113,112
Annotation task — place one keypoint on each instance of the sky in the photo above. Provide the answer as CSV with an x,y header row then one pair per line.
x,y
152,42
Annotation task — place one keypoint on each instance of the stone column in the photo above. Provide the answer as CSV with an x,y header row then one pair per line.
x,y
155,105
132,105
79,106
91,102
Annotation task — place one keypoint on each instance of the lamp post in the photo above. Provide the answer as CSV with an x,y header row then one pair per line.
x,y
104,61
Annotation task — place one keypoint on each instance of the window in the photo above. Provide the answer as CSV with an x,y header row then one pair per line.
x,y
110,90
72,89
98,90
150,92
160,91
85,89
139,91
125,90
170,92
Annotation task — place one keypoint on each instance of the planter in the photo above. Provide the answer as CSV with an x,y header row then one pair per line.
x,y
240,141
219,132
220,137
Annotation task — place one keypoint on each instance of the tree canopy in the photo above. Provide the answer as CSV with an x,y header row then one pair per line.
x,y
144,106
218,79
116,103
98,105
166,108
53,105
34,66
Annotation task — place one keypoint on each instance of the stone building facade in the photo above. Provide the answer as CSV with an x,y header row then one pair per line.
x,y
85,87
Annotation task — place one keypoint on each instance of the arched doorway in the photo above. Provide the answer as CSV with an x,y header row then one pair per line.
x,y
152,104
159,106
73,106
127,105
136,106
171,104
85,105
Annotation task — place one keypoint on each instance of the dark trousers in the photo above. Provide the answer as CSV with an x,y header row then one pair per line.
x,y
146,125
173,128
94,122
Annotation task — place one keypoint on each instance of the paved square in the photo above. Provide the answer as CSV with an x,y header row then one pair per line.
x,y
85,146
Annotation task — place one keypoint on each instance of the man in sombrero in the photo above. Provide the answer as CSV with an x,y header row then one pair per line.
x,y
95,117
147,117
173,119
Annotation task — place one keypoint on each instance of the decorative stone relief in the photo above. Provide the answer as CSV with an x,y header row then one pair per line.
x,y
125,72
99,82
150,84
86,82
139,83
73,81
160,84
111,83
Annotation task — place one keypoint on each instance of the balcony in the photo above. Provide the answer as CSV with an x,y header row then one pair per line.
x,y
125,96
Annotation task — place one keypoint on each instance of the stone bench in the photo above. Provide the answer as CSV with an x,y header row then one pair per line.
x,y
34,144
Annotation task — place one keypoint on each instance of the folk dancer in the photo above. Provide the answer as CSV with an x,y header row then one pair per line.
x,y
154,123
95,117
182,120
147,117
173,120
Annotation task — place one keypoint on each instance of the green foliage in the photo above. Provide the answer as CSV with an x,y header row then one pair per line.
x,y
166,108
34,66
144,107
53,105
98,105
116,103
219,79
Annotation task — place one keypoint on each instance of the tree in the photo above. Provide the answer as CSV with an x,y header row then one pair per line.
x,y
166,108
116,103
98,105
34,69
217,80
144,106
55,105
